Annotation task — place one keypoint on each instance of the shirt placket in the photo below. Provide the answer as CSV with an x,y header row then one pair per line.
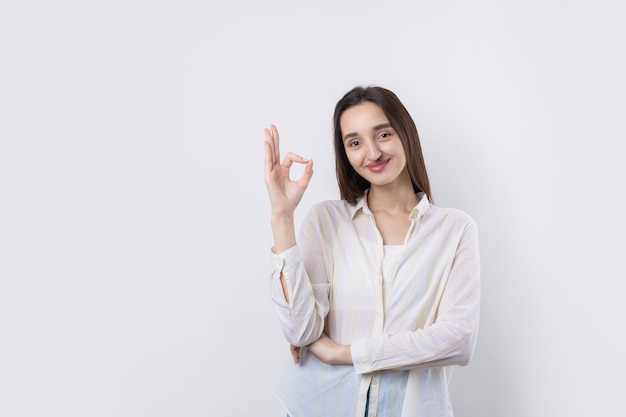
x,y
379,317
379,320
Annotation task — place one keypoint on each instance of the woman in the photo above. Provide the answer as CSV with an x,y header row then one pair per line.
x,y
382,286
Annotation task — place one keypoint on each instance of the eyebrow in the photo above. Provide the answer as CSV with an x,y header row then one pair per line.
x,y
375,128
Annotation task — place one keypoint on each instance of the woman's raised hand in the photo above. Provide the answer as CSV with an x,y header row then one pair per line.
x,y
284,193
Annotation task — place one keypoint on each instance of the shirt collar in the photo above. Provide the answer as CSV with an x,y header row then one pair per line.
x,y
418,210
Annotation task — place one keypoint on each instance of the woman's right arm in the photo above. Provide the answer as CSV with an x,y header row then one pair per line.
x,y
301,305
284,193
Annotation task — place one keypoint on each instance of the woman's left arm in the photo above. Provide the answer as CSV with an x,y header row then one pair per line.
x,y
451,339
448,341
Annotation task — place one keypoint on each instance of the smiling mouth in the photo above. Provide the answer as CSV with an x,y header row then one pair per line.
x,y
378,165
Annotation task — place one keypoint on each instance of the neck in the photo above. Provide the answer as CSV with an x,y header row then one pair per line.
x,y
392,197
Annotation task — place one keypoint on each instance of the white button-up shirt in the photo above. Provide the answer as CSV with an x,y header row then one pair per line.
x,y
405,330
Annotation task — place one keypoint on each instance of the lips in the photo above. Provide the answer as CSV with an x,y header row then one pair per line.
x,y
378,166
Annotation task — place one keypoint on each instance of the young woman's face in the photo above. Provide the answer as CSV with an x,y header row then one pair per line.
x,y
372,145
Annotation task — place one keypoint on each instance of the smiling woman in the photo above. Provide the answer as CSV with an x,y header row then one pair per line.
x,y
386,104
382,287
373,148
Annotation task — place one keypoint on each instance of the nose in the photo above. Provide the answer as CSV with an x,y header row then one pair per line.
x,y
373,151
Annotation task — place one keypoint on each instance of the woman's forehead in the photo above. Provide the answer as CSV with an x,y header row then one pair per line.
x,y
364,115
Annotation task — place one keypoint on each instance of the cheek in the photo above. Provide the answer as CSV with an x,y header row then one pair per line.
x,y
354,159
399,150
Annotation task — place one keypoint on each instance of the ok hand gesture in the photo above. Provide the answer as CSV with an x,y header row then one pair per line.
x,y
284,193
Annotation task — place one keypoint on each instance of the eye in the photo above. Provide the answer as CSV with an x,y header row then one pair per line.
x,y
384,135
353,143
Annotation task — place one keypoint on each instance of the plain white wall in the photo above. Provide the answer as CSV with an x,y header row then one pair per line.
x,y
134,235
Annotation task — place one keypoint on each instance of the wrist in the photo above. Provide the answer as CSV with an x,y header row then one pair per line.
x,y
284,232
346,355
342,355
282,217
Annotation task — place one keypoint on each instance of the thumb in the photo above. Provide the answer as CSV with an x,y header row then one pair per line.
x,y
295,354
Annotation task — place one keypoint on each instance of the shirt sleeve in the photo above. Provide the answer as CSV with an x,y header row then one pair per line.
x,y
451,339
304,271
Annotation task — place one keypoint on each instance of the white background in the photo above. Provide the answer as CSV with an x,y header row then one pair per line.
x,y
134,232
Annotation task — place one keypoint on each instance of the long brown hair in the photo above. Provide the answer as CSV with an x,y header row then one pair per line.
x,y
352,185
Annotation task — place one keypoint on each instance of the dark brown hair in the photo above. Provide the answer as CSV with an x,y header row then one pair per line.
x,y
352,185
